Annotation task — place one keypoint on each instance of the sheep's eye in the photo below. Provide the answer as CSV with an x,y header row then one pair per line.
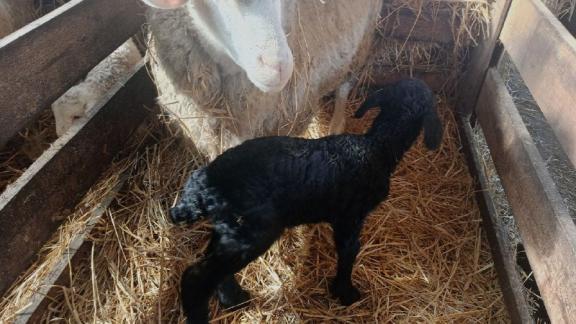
x,y
76,117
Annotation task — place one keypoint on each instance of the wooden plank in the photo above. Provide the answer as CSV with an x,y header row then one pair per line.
x,y
41,61
58,273
547,230
544,53
501,247
29,208
480,60
382,75
406,25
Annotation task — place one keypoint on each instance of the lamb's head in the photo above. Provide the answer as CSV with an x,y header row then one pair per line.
x,y
402,103
247,32
71,107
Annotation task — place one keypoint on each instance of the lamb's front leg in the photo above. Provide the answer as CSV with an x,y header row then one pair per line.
x,y
347,246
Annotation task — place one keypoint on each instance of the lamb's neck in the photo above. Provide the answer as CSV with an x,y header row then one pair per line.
x,y
391,141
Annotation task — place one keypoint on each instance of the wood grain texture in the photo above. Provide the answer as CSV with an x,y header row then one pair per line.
x,y
56,181
480,59
57,275
502,249
544,52
39,62
406,25
546,228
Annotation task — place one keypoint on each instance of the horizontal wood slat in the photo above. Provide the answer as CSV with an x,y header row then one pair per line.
x,y
77,248
502,250
546,228
408,25
39,62
544,53
56,181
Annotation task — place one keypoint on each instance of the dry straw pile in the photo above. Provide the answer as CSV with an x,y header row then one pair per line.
x,y
423,259
429,37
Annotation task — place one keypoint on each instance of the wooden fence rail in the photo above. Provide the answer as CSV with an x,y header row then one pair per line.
x,y
58,179
39,62
544,53
547,230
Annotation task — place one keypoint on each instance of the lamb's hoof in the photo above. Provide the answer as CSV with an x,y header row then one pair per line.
x,y
346,293
233,299
180,215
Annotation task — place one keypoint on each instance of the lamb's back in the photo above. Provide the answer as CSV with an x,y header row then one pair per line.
x,y
292,175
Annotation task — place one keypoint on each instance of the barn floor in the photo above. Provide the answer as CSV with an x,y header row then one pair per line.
x,y
424,256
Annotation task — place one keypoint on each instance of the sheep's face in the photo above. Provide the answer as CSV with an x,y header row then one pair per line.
x,y
250,32
70,108
247,32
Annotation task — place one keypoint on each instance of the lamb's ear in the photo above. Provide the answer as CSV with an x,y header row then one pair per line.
x,y
165,4
432,131
374,100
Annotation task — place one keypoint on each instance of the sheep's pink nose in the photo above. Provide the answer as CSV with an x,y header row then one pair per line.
x,y
271,63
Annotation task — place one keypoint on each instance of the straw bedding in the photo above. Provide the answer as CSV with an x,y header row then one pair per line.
x,y
411,55
423,259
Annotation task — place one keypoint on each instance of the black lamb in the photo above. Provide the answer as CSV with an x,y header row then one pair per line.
x,y
254,191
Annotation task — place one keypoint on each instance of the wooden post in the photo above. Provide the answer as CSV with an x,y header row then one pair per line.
x,y
480,60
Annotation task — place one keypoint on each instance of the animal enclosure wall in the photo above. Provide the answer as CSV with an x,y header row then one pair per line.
x,y
542,50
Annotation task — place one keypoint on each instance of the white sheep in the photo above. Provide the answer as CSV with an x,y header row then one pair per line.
x,y
232,70
78,100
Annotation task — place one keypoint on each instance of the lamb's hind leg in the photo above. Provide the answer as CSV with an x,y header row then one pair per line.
x,y
338,121
347,246
232,247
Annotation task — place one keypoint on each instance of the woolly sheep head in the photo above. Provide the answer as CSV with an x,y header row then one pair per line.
x,y
71,107
248,32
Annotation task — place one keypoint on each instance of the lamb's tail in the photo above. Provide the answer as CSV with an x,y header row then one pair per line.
x,y
190,208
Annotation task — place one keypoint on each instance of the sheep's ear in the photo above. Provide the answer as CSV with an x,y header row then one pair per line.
x,y
432,131
374,100
165,4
